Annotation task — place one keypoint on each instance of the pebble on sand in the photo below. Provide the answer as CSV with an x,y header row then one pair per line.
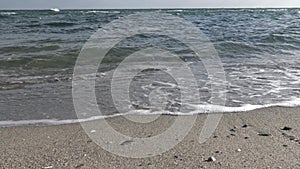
x,y
244,126
239,150
211,159
286,128
264,134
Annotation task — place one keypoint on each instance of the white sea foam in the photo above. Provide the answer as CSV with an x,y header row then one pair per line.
x,y
176,10
104,12
199,109
8,13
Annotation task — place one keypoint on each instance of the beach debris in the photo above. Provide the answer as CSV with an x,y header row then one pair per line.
x,y
211,159
264,134
232,130
93,131
285,128
79,165
126,142
292,137
238,150
48,167
244,126
56,79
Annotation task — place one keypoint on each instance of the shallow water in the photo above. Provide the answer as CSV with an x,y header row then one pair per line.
x,y
259,49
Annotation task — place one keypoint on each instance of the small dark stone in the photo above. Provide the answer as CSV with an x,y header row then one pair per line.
x,y
217,151
56,79
286,128
244,126
284,145
292,137
232,134
246,137
79,165
232,130
126,142
211,159
264,134
175,156
215,136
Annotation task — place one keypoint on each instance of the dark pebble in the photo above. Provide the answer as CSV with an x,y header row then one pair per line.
x,y
79,165
264,134
211,159
292,137
245,126
286,128
126,142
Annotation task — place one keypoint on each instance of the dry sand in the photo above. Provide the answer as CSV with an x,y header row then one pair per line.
x,y
235,144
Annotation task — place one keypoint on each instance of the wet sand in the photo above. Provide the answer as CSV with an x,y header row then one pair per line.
x,y
264,138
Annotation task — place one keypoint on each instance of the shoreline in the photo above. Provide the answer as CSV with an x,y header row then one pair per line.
x,y
56,122
253,139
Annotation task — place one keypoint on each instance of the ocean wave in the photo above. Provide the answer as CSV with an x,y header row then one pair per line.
x,y
247,107
276,10
28,49
59,24
8,13
201,109
104,12
176,10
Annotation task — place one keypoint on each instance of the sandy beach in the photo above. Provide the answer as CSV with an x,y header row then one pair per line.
x,y
265,138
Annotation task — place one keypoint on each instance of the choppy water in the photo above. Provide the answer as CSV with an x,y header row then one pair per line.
x,y
259,49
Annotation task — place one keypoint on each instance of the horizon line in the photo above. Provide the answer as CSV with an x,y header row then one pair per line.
x,y
288,7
